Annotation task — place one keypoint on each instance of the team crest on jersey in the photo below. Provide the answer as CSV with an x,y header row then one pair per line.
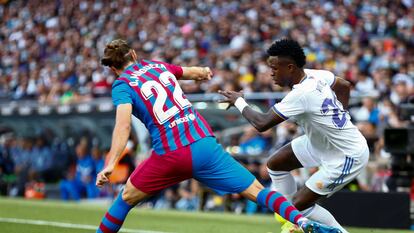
x,y
319,184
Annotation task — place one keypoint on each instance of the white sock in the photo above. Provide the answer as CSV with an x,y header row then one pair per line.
x,y
322,215
283,182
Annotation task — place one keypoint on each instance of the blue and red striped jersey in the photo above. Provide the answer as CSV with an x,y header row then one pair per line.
x,y
158,101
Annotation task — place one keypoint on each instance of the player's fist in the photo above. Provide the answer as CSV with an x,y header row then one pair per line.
x,y
231,97
205,74
209,74
103,176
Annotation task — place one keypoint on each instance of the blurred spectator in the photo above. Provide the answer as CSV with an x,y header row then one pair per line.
x,y
80,180
41,163
254,143
188,192
22,155
6,163
365,86
381,174
285,133
165,200
98,159
402,89
368,112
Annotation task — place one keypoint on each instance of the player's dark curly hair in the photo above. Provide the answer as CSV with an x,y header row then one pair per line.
x,y
288,48
117,54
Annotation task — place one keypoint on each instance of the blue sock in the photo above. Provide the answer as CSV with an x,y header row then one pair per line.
x,y
113,219
276,202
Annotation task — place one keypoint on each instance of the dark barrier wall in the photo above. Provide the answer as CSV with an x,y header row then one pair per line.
x,y
367,209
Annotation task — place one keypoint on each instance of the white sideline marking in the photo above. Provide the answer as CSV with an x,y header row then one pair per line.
x,y
67,225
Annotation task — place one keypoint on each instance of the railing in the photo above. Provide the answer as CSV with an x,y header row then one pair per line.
x,y
104,104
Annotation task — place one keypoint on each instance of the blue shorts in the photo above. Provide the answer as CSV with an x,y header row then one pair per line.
x,y
217,169
204,160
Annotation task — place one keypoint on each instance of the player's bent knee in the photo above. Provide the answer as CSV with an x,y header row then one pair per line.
x,y
275,163
272,165
305,198
128,196
284,160
132,195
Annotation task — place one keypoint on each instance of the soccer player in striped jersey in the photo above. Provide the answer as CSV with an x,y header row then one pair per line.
x,y
317,102
183,144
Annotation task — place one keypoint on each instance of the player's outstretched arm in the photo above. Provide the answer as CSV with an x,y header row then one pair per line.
x,y
261,121
196,73
342,88
120,137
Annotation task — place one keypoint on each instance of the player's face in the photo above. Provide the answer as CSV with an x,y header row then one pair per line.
x,y
281,71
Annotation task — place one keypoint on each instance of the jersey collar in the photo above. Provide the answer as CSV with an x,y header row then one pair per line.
x,y
303,79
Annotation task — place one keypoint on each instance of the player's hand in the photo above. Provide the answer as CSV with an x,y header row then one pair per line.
x,y
103,177
231,97
207,74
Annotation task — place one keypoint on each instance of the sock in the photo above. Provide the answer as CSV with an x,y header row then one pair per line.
x,y
276,202
322,215
283,182
113,219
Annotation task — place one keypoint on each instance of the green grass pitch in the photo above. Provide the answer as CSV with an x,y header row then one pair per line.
x,y
80,217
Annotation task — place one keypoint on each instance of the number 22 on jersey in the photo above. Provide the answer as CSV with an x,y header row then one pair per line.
x,y
339,115
179,102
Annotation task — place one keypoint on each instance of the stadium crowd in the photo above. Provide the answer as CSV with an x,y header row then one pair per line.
x,y
51,51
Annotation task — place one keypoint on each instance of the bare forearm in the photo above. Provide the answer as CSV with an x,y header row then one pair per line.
x,y
255,119
120,137
195,73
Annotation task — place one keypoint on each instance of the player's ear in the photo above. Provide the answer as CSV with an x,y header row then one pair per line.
x,y
291,67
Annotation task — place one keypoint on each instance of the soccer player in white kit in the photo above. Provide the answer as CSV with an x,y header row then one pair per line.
x,y
317,102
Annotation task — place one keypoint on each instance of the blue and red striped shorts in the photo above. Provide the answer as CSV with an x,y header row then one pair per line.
x,y
205,160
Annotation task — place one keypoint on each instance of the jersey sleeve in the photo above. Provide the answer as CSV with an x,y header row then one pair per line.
x,y
121,93
330,78
177,71
291,105
325,75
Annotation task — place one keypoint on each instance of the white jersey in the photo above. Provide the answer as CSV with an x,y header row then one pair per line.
x,y
314,106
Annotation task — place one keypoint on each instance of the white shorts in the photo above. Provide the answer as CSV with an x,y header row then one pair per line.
x,y
332,175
